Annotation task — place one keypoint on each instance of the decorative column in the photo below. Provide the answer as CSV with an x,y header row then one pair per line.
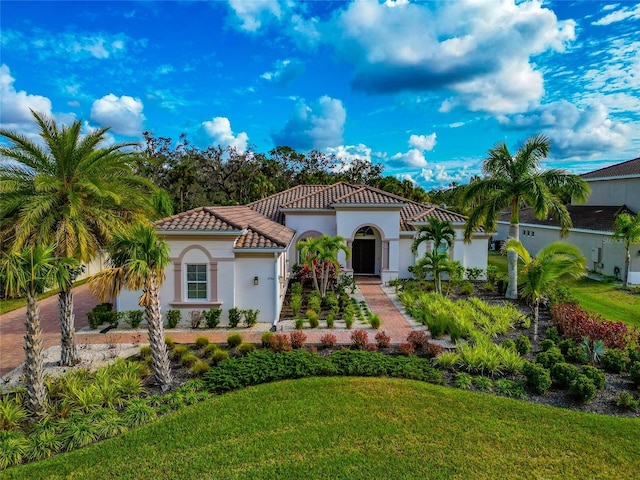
x,y
213,273
385,254
177,280
349,265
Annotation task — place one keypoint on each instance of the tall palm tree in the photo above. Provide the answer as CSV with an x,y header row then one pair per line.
x,y
439,232
27,272
137,260
541,274
627,228
320,255
72,191
512,181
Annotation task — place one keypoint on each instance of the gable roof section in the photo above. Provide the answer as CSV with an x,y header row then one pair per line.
x,y
624,169
270,206
584,217
254,230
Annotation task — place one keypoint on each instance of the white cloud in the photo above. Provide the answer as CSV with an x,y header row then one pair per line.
x,y
253,14
423,142
456,124
441,176
348,153
319,127
220,130
625,13
414,158
122,114
284,71
15,105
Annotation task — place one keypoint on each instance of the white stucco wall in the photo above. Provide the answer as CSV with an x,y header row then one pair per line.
x,y
257,297
625,191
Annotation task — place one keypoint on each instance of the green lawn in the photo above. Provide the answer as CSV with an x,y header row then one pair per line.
x,y
15,303
359,428
602,298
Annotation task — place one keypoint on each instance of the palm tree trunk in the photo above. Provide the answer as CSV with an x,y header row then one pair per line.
x,y
536,313
315,277
512,258
159,356
33,367
627,263
68,351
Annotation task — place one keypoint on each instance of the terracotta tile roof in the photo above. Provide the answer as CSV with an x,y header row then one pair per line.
x,y
630,167
368,196
323,198
260,231
587,217
270,206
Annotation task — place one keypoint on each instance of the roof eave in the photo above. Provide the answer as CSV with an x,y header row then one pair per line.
x,y
397,206
228,233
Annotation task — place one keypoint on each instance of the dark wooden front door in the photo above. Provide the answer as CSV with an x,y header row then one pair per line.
x,y
364,256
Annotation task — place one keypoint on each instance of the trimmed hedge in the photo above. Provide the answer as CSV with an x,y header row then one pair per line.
x,y
262,367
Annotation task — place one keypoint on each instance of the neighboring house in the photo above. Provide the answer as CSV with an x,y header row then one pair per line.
x,y
614,190
241,256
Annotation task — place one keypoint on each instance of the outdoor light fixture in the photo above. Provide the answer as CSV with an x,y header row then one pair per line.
x,y
255,281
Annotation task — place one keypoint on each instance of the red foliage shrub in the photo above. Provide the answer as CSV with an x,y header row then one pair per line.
x,y
359,339
372,347
280,343
297,339
419,339
313,349
576,323
382,339
406,348
433,350
328,340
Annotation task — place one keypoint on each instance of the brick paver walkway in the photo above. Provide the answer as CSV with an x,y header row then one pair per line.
x,y
12,338
12,328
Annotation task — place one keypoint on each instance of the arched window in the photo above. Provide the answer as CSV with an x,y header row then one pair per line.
x,y
365,231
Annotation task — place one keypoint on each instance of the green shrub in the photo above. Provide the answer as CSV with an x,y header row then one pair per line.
x,y
202,342
564,373
462,380
466,288
77,431
266,339
101,314
212,317
245,348
375,321
483,383
508,344
577,354
448,360
489,287
583,389
523,345
348,316
234,340
614,360
331,318
634,372
565,345
313,318
173,318
295,304
108,423
549,358
250,317
510,388
537,376
626,401
218,356
145,350
546,344
296,288
596,375
13,448
168,341
138,413
133,318
210,349
634,354
552,334
12,414
188,359
43,443
179,351
331,300
235,315
299,323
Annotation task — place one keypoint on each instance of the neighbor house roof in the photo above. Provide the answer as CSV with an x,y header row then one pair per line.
x,y
624,169
585,217
327,197
253,229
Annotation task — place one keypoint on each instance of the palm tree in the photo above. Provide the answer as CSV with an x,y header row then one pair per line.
x,y
137,260
27,272
541,274
512,181
321,254
72,191
627,228
439,232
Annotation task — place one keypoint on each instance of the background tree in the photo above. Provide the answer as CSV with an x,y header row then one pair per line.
x,y
28,272
513,181
541,274
627,228
73,192
137,260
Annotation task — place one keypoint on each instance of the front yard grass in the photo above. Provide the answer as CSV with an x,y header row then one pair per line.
x,y
359,428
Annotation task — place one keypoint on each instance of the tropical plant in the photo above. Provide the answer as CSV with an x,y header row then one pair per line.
x,y
27,272
137,260
554,262
627,228
435,261
512,181
320,256
72,191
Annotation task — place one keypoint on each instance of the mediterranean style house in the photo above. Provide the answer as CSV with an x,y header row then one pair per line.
x,y
614,190
242,256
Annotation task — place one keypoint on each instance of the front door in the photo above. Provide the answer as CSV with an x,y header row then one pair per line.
x,y
364,256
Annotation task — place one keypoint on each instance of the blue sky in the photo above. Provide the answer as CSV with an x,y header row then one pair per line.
x,y
424,87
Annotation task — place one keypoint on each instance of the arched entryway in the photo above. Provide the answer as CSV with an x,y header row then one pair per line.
x,y
365,256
